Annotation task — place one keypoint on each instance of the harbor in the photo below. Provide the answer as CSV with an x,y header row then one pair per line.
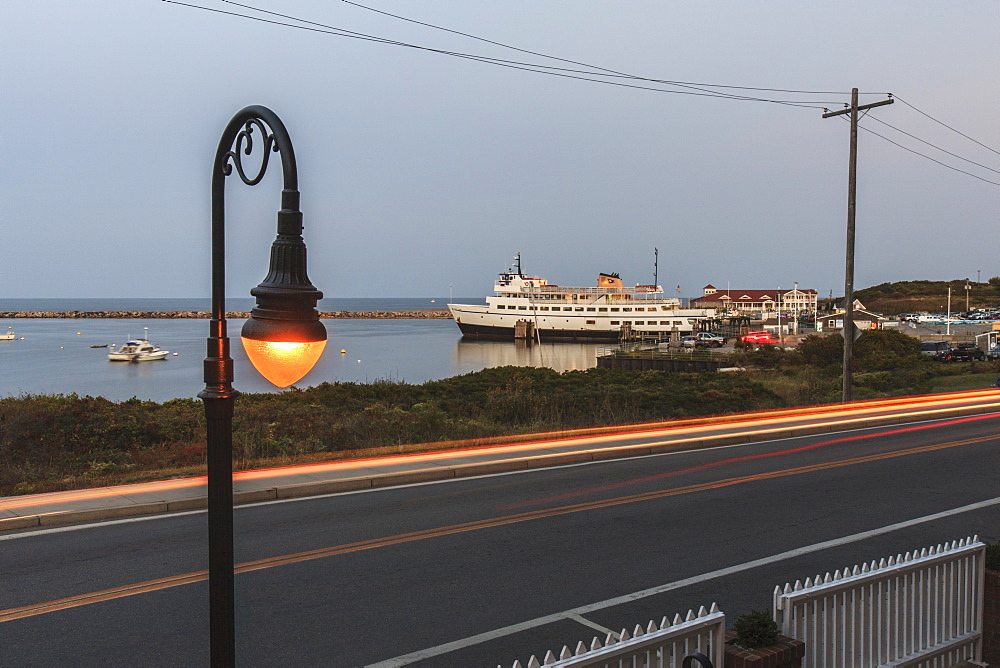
x,y
53,358
185,315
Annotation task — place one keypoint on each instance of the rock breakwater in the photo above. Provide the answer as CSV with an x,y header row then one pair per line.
x,y
150,315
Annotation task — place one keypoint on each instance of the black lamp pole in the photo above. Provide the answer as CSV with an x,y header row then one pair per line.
x,y
286,306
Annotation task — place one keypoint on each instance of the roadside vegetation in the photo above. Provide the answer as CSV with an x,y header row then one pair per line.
x,y
58,442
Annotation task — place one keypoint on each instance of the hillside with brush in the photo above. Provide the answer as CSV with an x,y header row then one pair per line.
x,y
916,296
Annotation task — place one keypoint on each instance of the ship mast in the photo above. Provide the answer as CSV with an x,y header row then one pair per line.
x,y
656,267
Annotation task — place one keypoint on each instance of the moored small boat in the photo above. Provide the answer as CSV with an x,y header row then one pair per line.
x,y
137,350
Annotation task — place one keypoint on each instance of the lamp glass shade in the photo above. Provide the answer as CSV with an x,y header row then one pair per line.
x,y
283,362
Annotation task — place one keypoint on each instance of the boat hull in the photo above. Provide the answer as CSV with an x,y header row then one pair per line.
x,y
125,357
491,333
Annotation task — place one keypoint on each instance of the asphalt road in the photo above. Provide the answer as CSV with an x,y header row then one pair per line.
x,y
480,572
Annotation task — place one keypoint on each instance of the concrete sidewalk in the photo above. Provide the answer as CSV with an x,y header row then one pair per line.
x,y
92,505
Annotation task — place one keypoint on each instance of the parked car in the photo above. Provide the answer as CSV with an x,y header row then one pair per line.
x,y
935,349
760,336
964,352
689,341
994,352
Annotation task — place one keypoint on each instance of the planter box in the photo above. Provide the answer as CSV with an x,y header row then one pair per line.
x,y
787,653
991,618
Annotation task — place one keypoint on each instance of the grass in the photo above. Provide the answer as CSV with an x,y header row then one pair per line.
x,y
969,381
50,443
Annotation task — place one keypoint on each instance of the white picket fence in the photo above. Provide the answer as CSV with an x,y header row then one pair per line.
x,y
657,646
918,609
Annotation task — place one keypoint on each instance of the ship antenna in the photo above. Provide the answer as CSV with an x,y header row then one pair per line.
x,y
517,263
656,266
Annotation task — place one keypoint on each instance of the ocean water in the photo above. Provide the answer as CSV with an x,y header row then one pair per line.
x,y
56,357
232,304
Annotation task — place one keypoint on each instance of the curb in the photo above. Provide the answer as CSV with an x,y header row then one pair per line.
x,y
307,489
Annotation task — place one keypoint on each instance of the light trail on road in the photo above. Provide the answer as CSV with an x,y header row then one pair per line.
x,y
744,458
759,424
387,541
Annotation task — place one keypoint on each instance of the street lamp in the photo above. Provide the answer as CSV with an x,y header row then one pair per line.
x,y
283,338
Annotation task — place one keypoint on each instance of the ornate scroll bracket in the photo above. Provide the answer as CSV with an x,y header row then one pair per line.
x,y
243,145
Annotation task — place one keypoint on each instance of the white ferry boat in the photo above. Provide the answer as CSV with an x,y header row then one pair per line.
x,y
533,308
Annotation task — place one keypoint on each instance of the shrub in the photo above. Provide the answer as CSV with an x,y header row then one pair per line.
x,y
875,350
822,351
993,556
755,629
888,349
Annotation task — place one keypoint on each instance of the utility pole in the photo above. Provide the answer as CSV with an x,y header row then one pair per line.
x,y
798,308
852,186
948,327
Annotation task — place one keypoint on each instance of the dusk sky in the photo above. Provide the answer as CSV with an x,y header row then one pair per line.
x,y
420,171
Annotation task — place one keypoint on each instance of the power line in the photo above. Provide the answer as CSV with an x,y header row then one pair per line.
x,y
695,89
923,113
537,67
531,67
596,67
961,171
922,141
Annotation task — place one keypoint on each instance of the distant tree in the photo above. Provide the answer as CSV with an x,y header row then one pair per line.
x,y
995,283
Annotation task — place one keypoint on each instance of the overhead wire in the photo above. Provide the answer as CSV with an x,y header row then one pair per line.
x,y
923,113
537,67
693,88
703,86
531,67
923,141
596,67
922,155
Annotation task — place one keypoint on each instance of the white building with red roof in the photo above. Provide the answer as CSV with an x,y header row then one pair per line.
x,y
796,301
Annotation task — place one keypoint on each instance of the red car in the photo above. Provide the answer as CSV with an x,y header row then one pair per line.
x,y
760,336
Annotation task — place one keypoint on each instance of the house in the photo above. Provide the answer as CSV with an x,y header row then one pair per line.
x,y
752,302
862,320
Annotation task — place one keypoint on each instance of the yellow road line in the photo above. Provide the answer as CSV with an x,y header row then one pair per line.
x,y
284,560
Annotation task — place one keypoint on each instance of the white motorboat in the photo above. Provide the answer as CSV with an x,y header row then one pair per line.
x,y
534,308
137,350
8,335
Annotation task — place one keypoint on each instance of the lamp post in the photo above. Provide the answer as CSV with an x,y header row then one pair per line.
x,y
283,339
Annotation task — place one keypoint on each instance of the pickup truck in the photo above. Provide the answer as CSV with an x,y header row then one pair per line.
x,y
963,352
710,339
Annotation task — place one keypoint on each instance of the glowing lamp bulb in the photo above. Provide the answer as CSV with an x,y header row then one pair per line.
x,y
283,362
283,354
